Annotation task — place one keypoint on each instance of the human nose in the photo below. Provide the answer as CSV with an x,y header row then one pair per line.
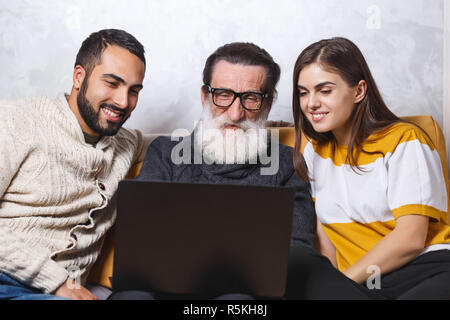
x,y
313,101
121,98
236,112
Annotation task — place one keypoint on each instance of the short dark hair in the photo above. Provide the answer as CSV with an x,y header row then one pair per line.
x,y
249,54
92,48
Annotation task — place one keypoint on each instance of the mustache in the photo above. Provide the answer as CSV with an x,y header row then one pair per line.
x,y
114,108
225,121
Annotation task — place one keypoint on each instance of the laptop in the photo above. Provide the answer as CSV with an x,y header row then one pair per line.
x,y
200,239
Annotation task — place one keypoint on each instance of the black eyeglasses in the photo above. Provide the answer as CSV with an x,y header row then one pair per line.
x,y
250,100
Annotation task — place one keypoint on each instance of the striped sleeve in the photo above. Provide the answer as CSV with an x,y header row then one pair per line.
x,y
416,184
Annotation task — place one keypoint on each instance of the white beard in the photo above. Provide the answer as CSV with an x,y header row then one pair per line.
x,y
229,146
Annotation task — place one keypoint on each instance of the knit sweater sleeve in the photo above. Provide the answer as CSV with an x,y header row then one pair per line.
x,y
17,259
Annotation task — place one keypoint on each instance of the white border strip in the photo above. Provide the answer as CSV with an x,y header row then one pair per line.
x,y
446,106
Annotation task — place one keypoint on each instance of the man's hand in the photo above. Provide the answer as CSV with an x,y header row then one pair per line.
x,y
71,290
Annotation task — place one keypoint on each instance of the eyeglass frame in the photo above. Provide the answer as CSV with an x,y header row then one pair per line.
x,y
236,95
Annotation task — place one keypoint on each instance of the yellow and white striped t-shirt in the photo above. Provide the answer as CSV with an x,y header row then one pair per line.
x,y
357,209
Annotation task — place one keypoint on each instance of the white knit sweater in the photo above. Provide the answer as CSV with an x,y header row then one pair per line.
x,y
55,203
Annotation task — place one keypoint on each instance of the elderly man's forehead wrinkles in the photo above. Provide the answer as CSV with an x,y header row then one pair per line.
x,y
238,77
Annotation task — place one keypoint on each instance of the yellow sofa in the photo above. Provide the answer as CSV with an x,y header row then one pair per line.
x,y
103,268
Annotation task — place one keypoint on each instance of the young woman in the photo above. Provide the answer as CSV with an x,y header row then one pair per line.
x,y
377,181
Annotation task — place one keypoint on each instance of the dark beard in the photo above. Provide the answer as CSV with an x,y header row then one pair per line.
x,y
91,116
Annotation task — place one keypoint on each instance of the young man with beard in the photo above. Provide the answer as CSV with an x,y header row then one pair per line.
x,y
60,164
229,142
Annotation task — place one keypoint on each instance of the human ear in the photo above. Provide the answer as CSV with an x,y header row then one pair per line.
x,y
79,75
204,95
361,90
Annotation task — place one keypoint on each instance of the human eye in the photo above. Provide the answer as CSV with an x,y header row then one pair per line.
x,y
325,91
252,100
252,96
302,93
135,92
111,83
223,93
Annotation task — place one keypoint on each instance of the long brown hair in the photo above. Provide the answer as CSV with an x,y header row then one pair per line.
x,y
341,56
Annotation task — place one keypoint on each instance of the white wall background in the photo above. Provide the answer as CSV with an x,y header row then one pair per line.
x,y
402,41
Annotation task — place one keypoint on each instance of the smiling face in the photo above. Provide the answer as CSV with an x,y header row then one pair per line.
x,y
328,101
110,93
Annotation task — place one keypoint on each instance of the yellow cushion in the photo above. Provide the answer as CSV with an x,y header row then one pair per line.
x,y
102,270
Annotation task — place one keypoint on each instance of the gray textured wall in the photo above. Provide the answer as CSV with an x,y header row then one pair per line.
x,y
402,41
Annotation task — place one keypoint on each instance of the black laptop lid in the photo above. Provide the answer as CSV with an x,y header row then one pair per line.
x,y
181,238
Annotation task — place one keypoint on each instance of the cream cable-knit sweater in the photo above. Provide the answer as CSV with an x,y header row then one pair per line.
x,y
56,191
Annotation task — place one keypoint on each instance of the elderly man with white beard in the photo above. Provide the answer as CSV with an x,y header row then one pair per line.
x,y
230,144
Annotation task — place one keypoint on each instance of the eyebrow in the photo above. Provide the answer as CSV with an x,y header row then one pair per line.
x,y
251,91
318,86
119,79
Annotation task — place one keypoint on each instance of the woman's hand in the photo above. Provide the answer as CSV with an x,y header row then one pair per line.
x,y
399,247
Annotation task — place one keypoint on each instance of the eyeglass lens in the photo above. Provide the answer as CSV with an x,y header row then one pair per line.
x,y
224,98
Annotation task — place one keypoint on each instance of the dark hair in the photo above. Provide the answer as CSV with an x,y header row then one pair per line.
x,y
92,48
247,54
343,57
